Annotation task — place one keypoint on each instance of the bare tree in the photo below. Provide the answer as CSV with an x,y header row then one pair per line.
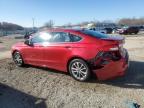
x,y
84,23
0,25
69,25
49,24
131,21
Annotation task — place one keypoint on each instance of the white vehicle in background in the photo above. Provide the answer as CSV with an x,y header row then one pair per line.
x,y
94,28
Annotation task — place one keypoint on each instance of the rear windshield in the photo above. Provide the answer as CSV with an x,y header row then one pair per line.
x,y
95,34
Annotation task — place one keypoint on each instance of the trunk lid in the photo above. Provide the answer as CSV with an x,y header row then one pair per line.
x,y
114,38
114,44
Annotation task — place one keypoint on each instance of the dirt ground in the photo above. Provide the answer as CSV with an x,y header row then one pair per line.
x,y
33,87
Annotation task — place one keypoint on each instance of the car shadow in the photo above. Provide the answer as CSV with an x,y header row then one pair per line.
x,y
50,70
134,77
12,98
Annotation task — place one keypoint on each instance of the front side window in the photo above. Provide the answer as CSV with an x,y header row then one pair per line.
x,y
41,37
36,38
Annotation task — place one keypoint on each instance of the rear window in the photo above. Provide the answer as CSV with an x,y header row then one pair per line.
x,y
95,34
134,27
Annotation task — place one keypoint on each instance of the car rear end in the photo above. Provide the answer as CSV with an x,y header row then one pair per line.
x,y
134,29
122,31
112,59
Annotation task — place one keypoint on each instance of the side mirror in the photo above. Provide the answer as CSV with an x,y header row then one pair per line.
x,y
28,42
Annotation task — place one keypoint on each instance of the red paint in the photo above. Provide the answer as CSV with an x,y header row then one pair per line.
x,y
112,70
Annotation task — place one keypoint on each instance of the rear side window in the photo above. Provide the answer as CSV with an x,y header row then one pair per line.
x,y
64,37
95,34
133,28
75,38
60,37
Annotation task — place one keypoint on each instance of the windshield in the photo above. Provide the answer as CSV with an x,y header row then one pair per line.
x,y
95,34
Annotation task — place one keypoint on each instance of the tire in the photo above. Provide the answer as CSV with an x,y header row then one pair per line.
x,y
136,33
79,70
18,59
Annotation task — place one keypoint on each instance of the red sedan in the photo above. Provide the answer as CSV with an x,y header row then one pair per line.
x,y
80,52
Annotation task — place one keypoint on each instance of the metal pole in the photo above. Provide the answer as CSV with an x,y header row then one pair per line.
x,y
33,20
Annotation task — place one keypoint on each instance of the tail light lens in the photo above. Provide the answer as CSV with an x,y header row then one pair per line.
x,y
113,54
104,58
114,49
121,50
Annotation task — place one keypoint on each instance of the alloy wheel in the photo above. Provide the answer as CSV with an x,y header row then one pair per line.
x,y
18,59
79,70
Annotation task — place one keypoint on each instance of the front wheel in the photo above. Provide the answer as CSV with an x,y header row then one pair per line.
x,y
18,59
79,70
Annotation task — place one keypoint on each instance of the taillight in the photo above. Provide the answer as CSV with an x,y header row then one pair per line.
x,y
114,49
121,49
104,58
118,48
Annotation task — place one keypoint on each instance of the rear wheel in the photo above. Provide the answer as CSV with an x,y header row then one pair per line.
x,y
136,33
79,70
18,59
126,33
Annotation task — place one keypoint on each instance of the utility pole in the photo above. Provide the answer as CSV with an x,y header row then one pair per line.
x,y
33,22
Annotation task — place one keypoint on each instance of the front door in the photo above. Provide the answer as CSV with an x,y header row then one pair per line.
x,y
34,54
57,52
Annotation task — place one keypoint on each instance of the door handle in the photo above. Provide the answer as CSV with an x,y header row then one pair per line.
x,y
67,46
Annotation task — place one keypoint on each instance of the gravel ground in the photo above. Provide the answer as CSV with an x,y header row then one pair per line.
x,y
34,87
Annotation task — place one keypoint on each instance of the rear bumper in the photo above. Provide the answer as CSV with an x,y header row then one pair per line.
x,y
113,69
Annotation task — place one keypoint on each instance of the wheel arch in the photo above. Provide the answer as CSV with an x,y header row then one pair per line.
x,y
15,51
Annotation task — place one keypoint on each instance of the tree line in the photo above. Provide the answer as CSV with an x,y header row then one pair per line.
x,y
5,26
123,21
131,21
